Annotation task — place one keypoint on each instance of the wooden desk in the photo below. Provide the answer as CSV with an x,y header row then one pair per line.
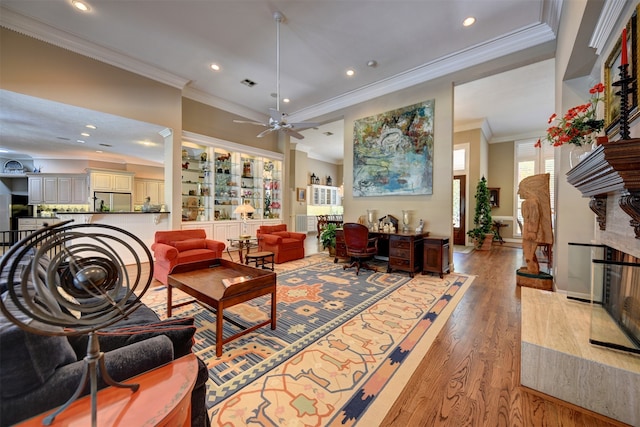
x,y
163,399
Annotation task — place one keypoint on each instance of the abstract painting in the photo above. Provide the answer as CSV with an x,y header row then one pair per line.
x,y
393,152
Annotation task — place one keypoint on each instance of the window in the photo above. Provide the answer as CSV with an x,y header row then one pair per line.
x,y
459,159
531,161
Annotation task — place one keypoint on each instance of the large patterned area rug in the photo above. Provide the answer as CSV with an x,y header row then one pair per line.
x,y
340,341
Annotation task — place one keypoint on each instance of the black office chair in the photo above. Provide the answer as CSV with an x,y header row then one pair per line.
x,y
359,246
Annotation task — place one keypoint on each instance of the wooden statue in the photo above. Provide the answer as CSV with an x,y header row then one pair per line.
x,y
537,230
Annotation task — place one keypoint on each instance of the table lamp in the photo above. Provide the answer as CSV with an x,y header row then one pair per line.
x,y
243,210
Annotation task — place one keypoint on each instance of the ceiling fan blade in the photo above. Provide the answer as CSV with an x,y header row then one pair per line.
x,y
265,132
303,125
249,122
293,133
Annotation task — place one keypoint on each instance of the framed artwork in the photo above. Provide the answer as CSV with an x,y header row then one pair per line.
x,y
612,74
393,152
301,194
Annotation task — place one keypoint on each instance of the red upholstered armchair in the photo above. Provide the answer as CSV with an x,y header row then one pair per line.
x,y
179,247
285,245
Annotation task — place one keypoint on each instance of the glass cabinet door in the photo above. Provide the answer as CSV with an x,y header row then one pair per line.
x,y
227,182
272,182
215,181
196,184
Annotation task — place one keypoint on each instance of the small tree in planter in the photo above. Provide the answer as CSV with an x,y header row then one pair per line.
x,y
328,238
482,218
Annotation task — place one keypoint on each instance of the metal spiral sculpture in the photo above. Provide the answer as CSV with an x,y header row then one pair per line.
x,y
84,286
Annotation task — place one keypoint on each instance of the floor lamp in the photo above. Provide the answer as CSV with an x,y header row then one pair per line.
x,y
243,210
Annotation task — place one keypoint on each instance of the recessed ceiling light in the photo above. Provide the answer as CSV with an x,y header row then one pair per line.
x,y
372,63
286,100
350,72
91,127
81,141
81,6
215,67
469,21
2,150
99,151
85,134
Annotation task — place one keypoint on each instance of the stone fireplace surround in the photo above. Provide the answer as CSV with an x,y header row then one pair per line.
x,y
557,358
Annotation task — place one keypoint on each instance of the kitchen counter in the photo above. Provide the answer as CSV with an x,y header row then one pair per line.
x,y
57,215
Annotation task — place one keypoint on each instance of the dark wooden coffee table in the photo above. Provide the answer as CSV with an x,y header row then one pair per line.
x,y
203,280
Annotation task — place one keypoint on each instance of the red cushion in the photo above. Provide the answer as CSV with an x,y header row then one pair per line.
x,y
189,244
270,229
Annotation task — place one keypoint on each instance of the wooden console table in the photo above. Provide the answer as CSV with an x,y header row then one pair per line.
x,y
436,255
163,399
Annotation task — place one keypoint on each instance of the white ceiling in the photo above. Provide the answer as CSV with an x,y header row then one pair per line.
x,y
175,41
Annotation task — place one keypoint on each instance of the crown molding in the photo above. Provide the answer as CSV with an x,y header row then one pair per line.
x,y
611,12
517,41
45,33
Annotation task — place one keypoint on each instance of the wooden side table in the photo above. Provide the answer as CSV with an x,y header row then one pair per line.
x,y
163,399
436,255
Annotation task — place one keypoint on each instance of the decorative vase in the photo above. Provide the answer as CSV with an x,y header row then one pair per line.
x,y
578,153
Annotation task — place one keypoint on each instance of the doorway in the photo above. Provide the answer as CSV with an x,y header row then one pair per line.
x,y
459,212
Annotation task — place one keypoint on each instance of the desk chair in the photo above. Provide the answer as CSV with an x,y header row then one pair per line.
x,y
359,246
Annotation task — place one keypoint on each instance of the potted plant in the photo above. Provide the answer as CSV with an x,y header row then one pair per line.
x,y
328,238
482,234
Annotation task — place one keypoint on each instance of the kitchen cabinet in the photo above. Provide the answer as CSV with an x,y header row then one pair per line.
x,y
57,189
153,188
72,190
436,255
323,195
110,181
33,224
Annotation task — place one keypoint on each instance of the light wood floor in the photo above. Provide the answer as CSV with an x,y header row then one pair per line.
x,y
471,374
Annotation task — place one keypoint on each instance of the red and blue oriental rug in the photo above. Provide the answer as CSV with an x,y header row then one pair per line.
x,y
342,342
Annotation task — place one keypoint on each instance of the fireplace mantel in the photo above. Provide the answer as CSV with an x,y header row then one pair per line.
x,y
612,167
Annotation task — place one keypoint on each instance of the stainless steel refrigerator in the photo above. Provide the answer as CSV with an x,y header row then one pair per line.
x,y
112,202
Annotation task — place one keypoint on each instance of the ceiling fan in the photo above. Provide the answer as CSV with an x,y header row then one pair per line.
x,y
277,120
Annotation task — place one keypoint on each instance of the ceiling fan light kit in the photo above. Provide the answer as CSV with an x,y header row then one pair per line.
x,y
277,120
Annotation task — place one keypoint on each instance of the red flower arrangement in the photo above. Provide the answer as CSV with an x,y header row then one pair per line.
x,y
578,124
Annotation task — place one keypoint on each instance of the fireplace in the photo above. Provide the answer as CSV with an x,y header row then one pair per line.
x,y
615,297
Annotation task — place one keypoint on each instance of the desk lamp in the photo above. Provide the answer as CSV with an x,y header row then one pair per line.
x,y
243,210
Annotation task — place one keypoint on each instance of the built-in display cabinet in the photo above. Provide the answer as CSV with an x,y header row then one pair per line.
x,y
218,178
